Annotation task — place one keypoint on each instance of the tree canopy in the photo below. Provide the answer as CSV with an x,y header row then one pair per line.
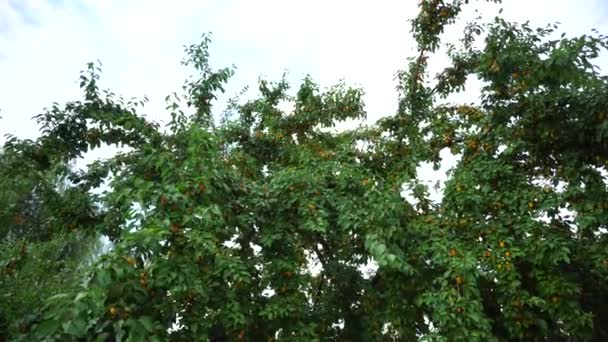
x,y
263,225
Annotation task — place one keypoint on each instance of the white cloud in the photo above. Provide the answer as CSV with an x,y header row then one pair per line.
x,y
140,43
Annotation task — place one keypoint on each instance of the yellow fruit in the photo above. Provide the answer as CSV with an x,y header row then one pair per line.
x,y
502,244
113,311
600,115
453,252
459,280
508,254
131,261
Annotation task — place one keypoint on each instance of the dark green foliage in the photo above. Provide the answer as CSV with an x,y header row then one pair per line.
x,y
261,227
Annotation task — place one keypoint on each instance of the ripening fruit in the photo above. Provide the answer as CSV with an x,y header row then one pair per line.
x,y
555,299
288,274
487,254
508,254
502,244
163,200
507,266
365,182
113,311
131,260
600,116
459,280
174,228
18,219
453,252
530,205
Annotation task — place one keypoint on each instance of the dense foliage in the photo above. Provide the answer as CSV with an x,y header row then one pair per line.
x,y
263,226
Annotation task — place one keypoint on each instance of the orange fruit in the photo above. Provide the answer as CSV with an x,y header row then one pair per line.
x,y
488,254
18,219
453,252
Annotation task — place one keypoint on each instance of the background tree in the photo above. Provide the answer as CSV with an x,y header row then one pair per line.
x,y
43,251
261,227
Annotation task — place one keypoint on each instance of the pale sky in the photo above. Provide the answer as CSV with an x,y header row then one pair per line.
x,y
45,43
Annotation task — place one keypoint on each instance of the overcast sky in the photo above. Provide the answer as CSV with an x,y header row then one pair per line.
x,y
45,43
